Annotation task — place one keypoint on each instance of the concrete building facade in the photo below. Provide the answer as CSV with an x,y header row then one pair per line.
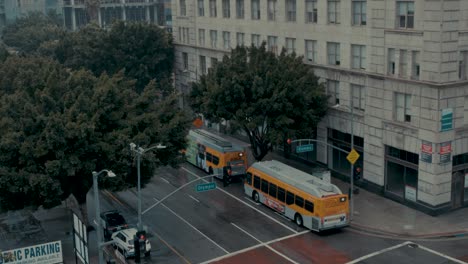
x,y
401,66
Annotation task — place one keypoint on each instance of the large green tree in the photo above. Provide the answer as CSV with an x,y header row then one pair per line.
x,y
59,125
3,52
269,97
144,51
28,33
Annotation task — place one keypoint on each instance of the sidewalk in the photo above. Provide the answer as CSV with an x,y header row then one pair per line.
x,y
379,215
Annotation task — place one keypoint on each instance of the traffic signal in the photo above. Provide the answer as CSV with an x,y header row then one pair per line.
x,y
357,173
288,141
140,245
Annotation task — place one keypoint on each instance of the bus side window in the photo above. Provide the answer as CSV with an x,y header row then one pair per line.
x,y
248,178
289,198
209,157
299,201
272,190
215,160
264,186
281,194
257,182
309,206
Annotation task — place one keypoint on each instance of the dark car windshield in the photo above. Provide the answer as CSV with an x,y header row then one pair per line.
x,y
115,219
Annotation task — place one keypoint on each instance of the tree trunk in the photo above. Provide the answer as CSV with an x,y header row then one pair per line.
x,y
259,148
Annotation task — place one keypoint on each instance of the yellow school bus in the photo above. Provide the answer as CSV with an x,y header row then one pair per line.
x,y
302,197
215,155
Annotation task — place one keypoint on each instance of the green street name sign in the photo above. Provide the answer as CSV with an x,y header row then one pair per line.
x,y
305,148
206,187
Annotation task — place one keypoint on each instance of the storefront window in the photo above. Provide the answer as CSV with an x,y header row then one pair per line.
x,y
460,165
402,173
343,141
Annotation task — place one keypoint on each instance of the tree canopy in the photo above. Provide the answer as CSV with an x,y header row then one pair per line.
x,y
269,97
3,52
144,51
28,33
58,125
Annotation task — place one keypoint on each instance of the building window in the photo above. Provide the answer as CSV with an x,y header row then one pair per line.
x,y
290,45
333,52
311,50
201,8
255,9
391,61
180,34
240,9
214,61
359,10
240,39
227,39
405,14
183,8
462,69
185,35
403,63
311,11
415,66
359,97
333,11
213,38
256,40
291,10
213,8
272,44
358,56
333,91
201,37
343,141
203,64
271,8
226,8
185,60
403,107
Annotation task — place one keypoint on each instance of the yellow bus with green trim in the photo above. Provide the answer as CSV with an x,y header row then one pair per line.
x,y
302,197
215,155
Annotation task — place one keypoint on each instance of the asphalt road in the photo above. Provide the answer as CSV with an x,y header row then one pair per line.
x,y
224,226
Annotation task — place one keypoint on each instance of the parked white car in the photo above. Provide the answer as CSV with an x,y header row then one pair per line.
x,y
124,240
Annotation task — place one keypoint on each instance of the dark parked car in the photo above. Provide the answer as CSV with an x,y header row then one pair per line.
x,y
112,221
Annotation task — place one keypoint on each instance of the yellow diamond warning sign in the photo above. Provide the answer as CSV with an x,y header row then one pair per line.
x,y
352,156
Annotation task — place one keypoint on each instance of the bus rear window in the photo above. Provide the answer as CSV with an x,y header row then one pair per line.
x,y
257,182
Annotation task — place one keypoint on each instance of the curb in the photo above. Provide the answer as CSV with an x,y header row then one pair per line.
x,y
376,231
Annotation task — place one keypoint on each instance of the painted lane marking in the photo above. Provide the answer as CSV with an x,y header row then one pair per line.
x,y
254,247
193,198
196,229
441,254
164,180
379,252
264,214
269,247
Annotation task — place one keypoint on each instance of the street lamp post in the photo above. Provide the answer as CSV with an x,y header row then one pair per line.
x,y
351,199
140,151
98,210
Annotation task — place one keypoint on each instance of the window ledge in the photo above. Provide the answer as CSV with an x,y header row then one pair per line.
x,y
403,31
399,125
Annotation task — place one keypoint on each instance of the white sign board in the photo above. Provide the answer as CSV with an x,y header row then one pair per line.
x,y
48,253
81,240
466,180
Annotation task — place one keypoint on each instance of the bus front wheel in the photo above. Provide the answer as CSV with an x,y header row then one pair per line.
x,y
298,220
256,197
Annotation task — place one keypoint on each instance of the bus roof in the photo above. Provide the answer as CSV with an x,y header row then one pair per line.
x,y
214,141
297,178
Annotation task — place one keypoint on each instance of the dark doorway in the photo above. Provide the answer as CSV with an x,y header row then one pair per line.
x,y
457,189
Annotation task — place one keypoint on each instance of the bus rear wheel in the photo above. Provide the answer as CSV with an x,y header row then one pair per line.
x,y
298,220
256,197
